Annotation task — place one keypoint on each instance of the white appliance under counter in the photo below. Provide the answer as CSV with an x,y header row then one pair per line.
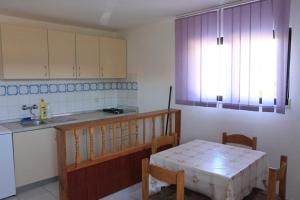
x,y
7,174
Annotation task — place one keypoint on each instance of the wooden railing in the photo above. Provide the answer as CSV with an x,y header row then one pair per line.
x,y
84,145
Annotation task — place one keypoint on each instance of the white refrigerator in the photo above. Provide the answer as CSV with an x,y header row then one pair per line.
x,y
7,169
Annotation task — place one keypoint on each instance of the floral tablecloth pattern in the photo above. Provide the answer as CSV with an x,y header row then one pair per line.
x,y
222,172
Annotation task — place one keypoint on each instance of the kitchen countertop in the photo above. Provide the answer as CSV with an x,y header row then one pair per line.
x,y
16,127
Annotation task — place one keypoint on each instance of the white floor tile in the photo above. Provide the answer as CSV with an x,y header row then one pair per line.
x,y
131,193
51,192
52,188
11,198
36,194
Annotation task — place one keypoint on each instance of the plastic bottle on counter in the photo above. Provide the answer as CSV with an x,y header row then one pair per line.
x,y
43,111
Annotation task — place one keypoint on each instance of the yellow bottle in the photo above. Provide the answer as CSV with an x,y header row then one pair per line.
x,y
43,111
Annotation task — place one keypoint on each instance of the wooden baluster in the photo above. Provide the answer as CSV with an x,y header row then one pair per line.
x,y
122,136
153,127
170,124
92,154
114,147
103,150
162,124
77,148
136,133
129,134
178,125
84,148
144,130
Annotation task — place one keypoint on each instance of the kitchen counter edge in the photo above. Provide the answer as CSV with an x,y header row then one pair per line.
x,y
16,127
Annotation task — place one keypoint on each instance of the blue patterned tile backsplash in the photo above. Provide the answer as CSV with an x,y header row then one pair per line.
x,y
64,96
12,89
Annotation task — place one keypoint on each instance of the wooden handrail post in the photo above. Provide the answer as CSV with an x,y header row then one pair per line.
x,y
129,134
162,124
114,147
62,164
136,133
77,147
122,136
91,133
170,124
103,146
178,125
144,130
153,127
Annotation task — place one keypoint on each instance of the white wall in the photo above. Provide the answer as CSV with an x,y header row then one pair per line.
x,y
151,56
55,26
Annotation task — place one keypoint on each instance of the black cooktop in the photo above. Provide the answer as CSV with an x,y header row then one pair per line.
x,y
113,110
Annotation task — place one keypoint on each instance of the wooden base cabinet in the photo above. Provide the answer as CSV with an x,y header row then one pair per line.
x,y
35,154
24,52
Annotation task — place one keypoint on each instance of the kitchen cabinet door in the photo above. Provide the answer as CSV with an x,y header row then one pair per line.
x,y
35,154
113,62
87,55
62,60
24,52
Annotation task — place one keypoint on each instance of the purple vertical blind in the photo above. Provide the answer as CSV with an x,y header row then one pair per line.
x,y
248,56
281,14
195,59
248,69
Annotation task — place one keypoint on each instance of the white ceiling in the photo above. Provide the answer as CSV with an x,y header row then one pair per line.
x,y
109,14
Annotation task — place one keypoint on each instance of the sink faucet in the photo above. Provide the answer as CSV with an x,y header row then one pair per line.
x,y
30,108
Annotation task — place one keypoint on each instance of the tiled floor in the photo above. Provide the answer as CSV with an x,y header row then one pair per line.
x,y
50,192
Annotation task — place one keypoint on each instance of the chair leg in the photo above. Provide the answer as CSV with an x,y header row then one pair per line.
x,y
282,182
271,195
180,186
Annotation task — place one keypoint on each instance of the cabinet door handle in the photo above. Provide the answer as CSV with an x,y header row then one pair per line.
x,y
79,71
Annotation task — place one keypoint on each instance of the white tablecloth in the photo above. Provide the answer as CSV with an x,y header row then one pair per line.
x,y
222,172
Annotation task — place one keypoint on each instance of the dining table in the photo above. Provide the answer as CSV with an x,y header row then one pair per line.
x,y
222,172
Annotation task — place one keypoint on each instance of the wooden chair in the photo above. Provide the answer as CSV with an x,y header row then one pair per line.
x,y
163,141
240,139
274,176
170,192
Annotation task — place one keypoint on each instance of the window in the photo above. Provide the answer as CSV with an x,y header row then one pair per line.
x,y
237,56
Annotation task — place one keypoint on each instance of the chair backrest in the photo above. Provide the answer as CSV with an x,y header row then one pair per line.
x,y
174,178
278,175
163,141
240,139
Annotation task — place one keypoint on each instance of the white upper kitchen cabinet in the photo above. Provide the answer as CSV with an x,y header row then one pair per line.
x,y
87,56
62,56
113,62
24,52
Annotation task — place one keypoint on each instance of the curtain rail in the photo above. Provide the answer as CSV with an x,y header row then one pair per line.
x,y
216,8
